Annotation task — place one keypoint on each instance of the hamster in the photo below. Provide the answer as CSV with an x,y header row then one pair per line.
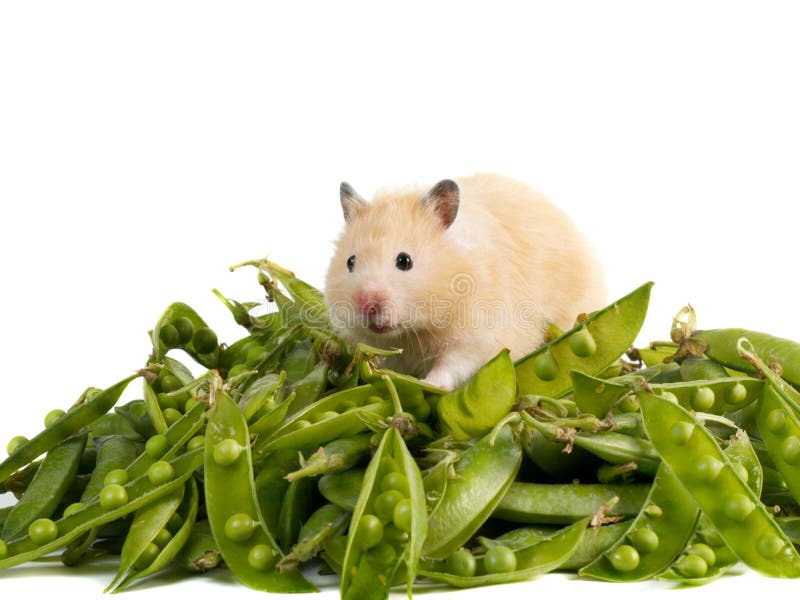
x,y
455,273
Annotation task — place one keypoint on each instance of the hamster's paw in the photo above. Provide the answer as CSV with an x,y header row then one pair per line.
x,y
441,377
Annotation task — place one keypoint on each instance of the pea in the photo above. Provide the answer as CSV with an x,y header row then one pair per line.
x,y
300,424
705,551
239,527
394,481
741,471
703,399
582,343
42,531
118,476
461,563
776,420
189,404
370,531
422,411
401,516
227,452
15,443
692,566
162,538
156,446
169,336
171,415
205,341
73,508
170,383
183,326
629,404
624,558
113,496
545,366
500,559
769,545
737,394
3,550
328,414
393,535
53,416
261,557
654,510
790,449
385,503
670,396
680,433
707,468
160,472
197,441
388,465
175,522
147,556
237,370
382,555
255,356
644,539
737,507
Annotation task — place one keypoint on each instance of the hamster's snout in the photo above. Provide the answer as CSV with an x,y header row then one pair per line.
x,y
374,309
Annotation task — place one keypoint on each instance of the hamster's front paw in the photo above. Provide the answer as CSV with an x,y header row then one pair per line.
x,y
441,378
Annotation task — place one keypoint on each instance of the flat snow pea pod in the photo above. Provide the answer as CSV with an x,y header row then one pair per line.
x,y
139,492
654,538
181,327
780,429
596,396
153,409
484,473
560,503
54,476
338,455
200,552
547,370
75,419
537,559
271,485
715,396
385,536
261,394
472,411
298,504
246,544
342,489
135,413
706,471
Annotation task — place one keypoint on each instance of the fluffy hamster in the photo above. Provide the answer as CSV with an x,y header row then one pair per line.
x,y
455,273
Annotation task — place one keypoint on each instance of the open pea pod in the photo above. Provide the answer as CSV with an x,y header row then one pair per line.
x,y
712,479
780,429
246,544
181,327
389,523
596,396
589,347
474,409
715,396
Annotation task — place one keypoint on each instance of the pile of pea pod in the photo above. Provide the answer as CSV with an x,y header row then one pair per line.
x,y
293,451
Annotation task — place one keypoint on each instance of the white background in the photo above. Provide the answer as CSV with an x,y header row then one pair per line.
x,y
145,147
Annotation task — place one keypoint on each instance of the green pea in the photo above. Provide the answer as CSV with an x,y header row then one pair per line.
x,y
346,405
461,563
703,399
692,566
644,539
227,452
776,420
3,550
156,446
255,356
53,416
401,516
545,366
388,465
170,383
118,476
189,404
653,510
737,394
769,545
162,538
183,326
261,557
705,551
629,404
74,508
790,449
370,531
382,555
741,471
680,433
737,507
205,340
197,441
385,503
500,559
328,414
15,444
624,558
239,527
582,343
147,556
160,472
394,481
300,424
707,468
670,396
175,522
171,415
393,535
42,531
422,411
713,538
113,496
237,370
169,336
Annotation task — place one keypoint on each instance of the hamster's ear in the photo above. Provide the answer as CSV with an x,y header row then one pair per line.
x,y
443,198
350,199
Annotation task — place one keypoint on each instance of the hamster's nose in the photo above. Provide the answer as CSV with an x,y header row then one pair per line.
x,y
368,302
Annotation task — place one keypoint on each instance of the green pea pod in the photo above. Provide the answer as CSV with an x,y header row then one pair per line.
x,y
484,473
54,476
547,370
181,320
373,556
153,409
654,538
200,552
695,368
261,395
271,485
595,542
299,360
115,452
72,422
703,468
310,388
548,555
135,413
519,538
4,512
246,544
307,296
596,396
298,503
780,428
269,421
338,455
550,458
475,408
327,521
236,353
342,489
113,424
560,503
716,396
138,492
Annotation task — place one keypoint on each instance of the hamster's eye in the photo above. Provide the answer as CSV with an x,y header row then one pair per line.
x,y
403,262
351,263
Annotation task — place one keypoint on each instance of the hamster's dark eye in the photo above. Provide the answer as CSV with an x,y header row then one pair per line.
x,y
403,262
351,263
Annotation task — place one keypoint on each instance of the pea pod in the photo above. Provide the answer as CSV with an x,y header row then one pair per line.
x,y
200,552
246,544
135,413
153,409
299,360
547,370
711,478
181,327
72,422
261,395
115,452
596,396
780,428
339,455
297,505
473,410
327,521
113,424
271,485
54,476
309,389
695,367
342,489
716,396
484,473
595,542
